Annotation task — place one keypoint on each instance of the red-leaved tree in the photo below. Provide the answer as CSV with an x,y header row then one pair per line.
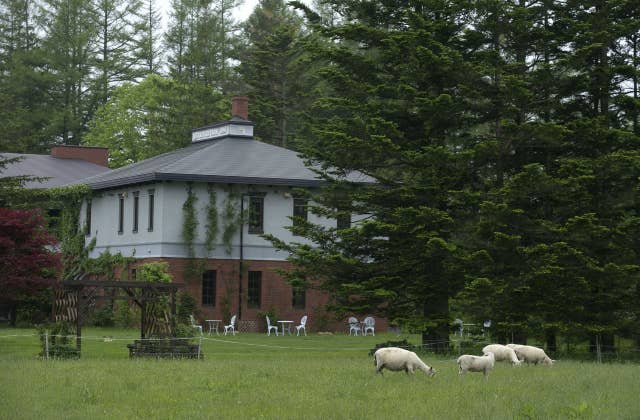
x,y
28,260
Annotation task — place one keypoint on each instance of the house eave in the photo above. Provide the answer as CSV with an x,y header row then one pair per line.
x,y
213,179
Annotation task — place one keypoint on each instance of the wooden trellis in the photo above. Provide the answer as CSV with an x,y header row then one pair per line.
x,y
74,302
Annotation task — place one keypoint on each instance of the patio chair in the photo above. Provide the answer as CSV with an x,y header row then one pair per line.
x,y
194,325
302,326
271,327
369,325
231,327
354,325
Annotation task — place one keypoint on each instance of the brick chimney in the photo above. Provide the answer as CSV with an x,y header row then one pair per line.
x,y
96,155
240,107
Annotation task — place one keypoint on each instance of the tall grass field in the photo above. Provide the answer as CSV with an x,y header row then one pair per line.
x,y
253,376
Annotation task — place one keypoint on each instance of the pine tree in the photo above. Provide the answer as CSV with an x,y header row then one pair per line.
x,y
199,42
273,69
149,38
24,102
391,109
113,59
69,41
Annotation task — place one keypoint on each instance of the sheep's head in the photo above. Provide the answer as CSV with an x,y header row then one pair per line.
x,y
431,371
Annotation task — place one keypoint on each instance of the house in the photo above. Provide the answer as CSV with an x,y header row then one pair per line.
x,y
138,211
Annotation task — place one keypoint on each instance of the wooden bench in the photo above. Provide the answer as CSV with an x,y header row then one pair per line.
x,y
171,348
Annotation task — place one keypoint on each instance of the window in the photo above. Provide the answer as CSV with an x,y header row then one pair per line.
x,y
152,195
298,299
209,288
136,206
254,294
256,213
120,213
87,219
299,211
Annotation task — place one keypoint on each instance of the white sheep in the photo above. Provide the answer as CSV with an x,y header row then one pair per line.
x,y
470,363
531,354
502,353
396,359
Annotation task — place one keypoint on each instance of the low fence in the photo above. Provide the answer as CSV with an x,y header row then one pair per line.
x,y
105,347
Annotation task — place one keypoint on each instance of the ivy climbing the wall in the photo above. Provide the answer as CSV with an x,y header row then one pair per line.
x,y
189,232
232,219
190,221
75,255
212,222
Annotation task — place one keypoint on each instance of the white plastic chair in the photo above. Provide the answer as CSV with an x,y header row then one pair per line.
x,y
354,325
271,327
459,327
369,325
194,325
231,327
302,326
486,325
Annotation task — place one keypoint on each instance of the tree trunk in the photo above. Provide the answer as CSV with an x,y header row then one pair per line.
x,y
519,337
552,343
606,342
437,338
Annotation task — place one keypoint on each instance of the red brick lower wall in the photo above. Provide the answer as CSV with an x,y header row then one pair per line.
x,y
276,296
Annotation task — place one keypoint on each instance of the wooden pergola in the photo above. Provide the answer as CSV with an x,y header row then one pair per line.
x,y
74,301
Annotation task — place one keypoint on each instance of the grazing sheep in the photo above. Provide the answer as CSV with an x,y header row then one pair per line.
x,y
531,354
502,353
469,363
395,359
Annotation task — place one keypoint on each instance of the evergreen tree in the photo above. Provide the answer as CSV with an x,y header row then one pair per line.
x,y
392,111
198,42
70,39
149,38
273,68
552,206
114,60
24,101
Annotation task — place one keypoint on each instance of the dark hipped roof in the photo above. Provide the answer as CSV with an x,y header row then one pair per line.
x,y
59,171
230,160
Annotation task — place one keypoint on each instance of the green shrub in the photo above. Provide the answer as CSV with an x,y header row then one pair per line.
x,y
271,313
103,317
186,331
55,341
124,315
156,272
185,306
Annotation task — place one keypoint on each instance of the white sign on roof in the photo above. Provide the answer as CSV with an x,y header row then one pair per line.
x,y
229,129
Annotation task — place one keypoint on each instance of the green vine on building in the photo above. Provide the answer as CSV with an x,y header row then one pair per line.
x,y
212,222
232,219
190,231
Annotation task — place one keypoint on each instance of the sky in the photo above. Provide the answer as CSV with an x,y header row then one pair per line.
x,y
241,13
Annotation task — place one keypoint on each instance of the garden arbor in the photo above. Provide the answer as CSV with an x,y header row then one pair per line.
x,y
74,301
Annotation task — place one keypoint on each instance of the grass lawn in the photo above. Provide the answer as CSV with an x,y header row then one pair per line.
x,y
317,377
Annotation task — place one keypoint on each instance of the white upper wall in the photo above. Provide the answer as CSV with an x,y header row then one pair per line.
x,y
165,240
